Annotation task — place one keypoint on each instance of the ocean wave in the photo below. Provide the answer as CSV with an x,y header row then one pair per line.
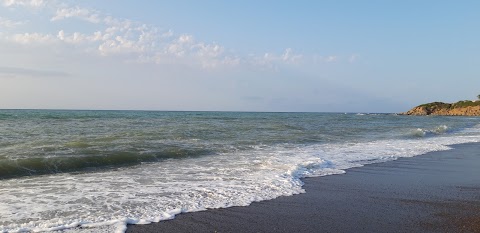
x,y
10,168
108,172
419,132
158,191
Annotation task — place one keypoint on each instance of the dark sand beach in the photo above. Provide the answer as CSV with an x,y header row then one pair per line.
x,y
435,192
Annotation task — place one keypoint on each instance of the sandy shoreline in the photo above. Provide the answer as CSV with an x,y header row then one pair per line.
x,y
435,192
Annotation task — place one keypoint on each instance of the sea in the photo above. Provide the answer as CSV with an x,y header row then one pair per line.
x,y
97,171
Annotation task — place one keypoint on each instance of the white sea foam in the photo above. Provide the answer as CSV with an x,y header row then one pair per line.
x,y
108,201
419,132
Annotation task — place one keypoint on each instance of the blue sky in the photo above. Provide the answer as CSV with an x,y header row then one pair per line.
x,y
325,56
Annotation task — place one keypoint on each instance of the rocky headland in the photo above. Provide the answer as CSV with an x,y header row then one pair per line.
x,y
461,108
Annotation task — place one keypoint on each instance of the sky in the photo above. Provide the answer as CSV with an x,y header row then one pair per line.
x,y
216,55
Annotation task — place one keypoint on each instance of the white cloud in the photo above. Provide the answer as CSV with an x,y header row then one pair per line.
x,y
127,39
272,60
134,40
353,58
7,23
97,36
290,57
77,12
33,38
213,55
209,50
318,59
27,3
75,38
331,58
120,45
181,46
206,55
167,34
186,39
61,35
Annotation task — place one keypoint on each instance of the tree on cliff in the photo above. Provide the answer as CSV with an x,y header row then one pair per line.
x,y
478,96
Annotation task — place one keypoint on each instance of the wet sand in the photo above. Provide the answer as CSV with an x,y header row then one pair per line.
x,y
435,192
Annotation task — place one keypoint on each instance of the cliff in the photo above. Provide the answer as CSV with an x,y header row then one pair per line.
x,y
461,108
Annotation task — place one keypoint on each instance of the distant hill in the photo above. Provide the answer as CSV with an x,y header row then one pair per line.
x,y
460,108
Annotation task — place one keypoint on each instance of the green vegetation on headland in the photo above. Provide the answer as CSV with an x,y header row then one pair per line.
x,y
460,108
459,104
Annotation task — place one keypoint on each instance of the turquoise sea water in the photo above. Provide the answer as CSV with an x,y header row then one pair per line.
x,y
63,169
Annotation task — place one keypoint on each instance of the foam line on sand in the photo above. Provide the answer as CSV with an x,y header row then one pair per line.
x,y
435,192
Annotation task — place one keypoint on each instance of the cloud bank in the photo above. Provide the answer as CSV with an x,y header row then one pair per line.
x,y
119,63
105,35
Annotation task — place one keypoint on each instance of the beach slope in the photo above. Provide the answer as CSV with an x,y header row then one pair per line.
x,y
435,192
